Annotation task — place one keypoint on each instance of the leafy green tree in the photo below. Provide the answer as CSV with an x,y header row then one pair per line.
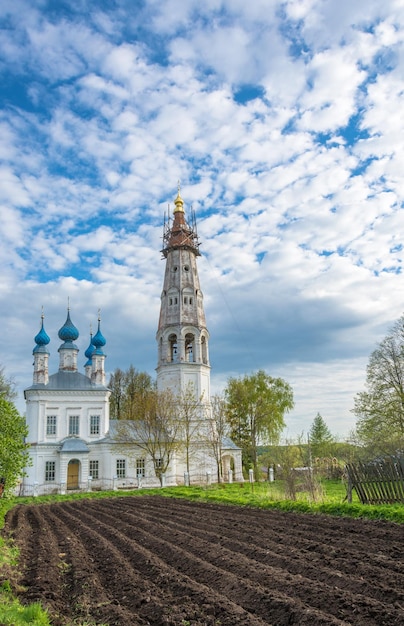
x,y
256,406
128,389
13,449
320,438
380,409
7,389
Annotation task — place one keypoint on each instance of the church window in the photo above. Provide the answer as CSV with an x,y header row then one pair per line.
x,y
50,469
94,424
51,425
74,425
121,468
175,268
186,268
94,470
185,300
175,300
190,301
140,468
170,301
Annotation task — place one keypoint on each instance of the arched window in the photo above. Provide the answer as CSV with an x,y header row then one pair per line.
x,y
190,348
173,348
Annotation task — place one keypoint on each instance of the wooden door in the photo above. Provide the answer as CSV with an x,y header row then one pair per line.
x,y
73,474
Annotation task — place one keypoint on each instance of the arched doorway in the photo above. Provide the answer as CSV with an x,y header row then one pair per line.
x,y
73,471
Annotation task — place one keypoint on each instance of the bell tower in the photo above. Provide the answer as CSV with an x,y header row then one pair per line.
x,y
182,336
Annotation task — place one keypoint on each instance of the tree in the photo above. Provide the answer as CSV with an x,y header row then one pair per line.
x,y
127,392
7,389
218,428
380,409
189,413
13,449
256,405
320,438
154,430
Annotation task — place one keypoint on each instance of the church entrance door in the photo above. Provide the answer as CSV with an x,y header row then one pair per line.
x,y
73,474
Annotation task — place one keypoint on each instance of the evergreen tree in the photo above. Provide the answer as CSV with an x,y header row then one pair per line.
x,y
320,438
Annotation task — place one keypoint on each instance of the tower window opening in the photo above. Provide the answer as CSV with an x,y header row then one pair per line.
x,y
204,350
185,300
170,301
189,348
190,301
175,300
173,346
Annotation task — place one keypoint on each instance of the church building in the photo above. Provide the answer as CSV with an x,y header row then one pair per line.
x,y
73,443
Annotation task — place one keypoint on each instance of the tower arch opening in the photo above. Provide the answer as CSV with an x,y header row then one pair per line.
x,y
173,348
190,348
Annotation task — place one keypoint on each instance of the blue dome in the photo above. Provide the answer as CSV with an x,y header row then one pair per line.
x,y
42,338
68,332
98,340
89,352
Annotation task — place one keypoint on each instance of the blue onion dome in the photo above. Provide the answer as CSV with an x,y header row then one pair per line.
x,y
98,340
68,332
90,350
42,339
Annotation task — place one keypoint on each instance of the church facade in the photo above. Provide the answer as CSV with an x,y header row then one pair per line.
x,y
73,442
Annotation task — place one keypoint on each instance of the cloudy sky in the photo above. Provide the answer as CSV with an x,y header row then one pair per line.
x,y
283,120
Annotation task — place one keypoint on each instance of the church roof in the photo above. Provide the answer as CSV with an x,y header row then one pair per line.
x,y
74,444
65,380
228,444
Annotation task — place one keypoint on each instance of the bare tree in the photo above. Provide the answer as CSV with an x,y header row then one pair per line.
x,y
155,431
189,416
217,429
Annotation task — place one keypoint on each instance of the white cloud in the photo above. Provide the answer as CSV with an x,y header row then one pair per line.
x,y
298,191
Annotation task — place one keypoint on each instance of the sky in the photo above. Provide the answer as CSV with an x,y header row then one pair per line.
x,y
283,122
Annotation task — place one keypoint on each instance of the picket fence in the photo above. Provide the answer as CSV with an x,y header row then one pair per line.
x,y
379,482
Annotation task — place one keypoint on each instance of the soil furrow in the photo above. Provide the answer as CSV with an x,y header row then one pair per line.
x,y
190,551
149,560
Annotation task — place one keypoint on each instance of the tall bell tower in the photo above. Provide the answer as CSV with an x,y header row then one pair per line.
x,y
182,336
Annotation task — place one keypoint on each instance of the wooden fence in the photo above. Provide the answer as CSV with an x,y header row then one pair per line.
x,y
379,482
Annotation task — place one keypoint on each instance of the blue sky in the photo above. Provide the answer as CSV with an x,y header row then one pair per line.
x,y
284,123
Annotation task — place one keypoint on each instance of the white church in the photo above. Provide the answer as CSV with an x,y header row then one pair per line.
x,y
73,443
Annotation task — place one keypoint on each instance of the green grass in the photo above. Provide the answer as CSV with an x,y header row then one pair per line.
x,y
262,495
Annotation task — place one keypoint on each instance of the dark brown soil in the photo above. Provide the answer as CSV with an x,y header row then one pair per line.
x,y
132,561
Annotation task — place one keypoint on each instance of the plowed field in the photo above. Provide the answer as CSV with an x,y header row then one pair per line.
x,y
132,561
